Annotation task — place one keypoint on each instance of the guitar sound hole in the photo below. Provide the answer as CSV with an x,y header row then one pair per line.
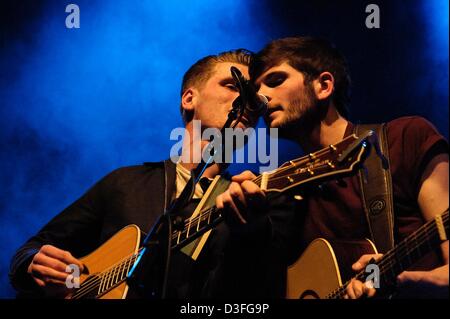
x,y
309,294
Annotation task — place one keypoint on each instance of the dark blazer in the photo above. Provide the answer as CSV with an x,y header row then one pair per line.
x,y
128,195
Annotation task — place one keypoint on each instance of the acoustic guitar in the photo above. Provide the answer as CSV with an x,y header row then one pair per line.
x,y
320,271
108,266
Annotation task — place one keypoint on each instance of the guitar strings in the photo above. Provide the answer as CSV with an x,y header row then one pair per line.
x,y
96,284
105,275
92,284
422,234
387,262
391,257
425,233
196,220
110,273
295,162
116,269
384,264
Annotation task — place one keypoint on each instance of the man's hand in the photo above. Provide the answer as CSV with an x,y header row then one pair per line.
x,y
428,284
242,196
414,284
357,289
48,269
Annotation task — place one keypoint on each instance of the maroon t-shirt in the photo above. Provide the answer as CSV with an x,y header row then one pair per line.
x,y
335,210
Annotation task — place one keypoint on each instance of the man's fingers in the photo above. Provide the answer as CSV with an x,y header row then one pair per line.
x,y
410,277
219,202
358,288
244,176
370,292
40,282
46,273
44,260
48,269
61,255
368,288
241,192
253,190
350,291
255,197
364,260
229,203
237,194
355,289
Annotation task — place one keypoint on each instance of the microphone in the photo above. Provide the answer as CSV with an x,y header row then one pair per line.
x,y
251,103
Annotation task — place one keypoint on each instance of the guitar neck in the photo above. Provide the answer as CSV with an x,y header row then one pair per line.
x,y
325,163
427,238
329,162
195,227
414,247
204,221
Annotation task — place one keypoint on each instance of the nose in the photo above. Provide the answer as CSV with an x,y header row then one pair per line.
x,y
264,92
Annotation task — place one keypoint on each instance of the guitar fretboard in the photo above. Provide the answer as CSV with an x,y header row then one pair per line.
x,y
195,227
410,250
314,166
324,163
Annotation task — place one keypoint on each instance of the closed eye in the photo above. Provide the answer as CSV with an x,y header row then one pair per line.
x,y
275,79
231,86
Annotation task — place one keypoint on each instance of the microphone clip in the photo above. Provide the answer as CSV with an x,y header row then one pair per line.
x,y
249,102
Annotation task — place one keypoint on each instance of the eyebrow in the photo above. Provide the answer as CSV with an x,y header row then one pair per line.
x,y
271,74
227,80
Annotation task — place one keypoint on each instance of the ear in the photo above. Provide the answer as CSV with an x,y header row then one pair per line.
x,y
324,85
188,99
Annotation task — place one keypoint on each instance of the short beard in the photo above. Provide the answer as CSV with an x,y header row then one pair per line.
x,y
304,113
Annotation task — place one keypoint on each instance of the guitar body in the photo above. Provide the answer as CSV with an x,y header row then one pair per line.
x,y
324,266
107,267
121,245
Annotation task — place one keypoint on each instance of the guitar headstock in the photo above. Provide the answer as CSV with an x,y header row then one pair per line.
x,y
333,161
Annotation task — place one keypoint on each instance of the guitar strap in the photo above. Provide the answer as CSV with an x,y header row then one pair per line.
x,y
376,191
216,187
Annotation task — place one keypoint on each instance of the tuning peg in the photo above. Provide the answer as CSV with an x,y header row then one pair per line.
x,y
330,164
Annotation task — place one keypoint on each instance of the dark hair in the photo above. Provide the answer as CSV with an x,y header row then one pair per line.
x,y
200,72
311,56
